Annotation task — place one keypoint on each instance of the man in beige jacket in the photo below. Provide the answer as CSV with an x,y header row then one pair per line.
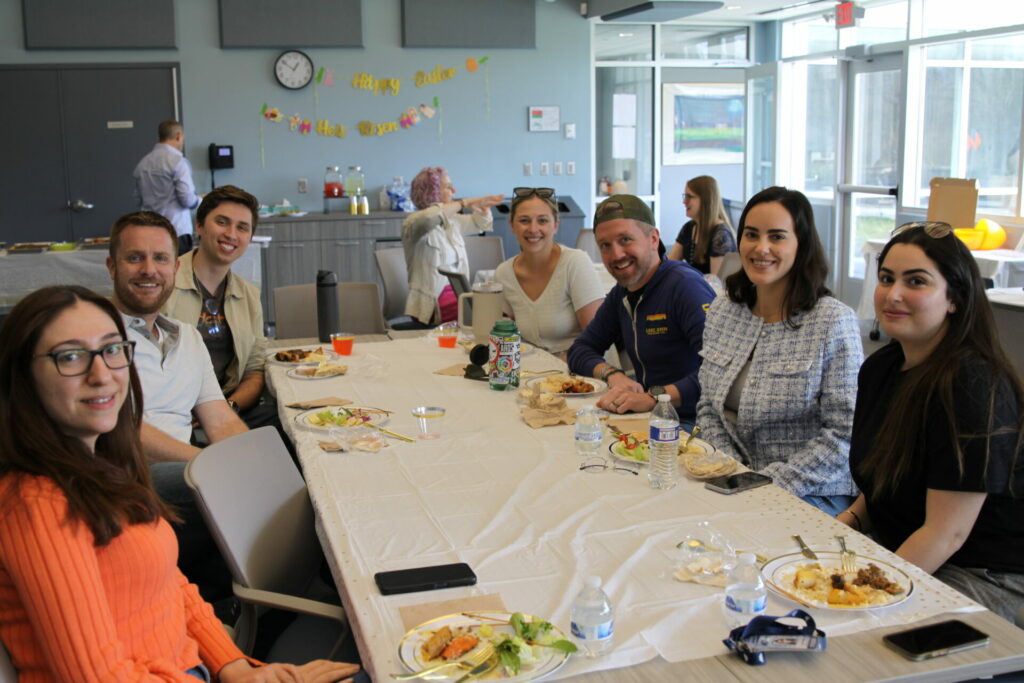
x,y
223,306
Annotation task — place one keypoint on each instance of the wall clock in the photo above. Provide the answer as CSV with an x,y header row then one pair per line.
x,y
293,69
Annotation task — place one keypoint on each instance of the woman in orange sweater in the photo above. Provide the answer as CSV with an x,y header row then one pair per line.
x,y
89,588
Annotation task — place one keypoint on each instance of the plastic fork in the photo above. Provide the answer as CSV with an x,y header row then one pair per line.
x,y
848,558
469,662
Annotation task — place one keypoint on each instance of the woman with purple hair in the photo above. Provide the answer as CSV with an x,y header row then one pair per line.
x,y
432,238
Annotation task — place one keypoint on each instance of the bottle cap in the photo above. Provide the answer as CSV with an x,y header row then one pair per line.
x,y
664,398
592,582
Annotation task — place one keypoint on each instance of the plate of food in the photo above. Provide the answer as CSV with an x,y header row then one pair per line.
x,y
94,243
528,648
875,585
325,419
570,386
28,247
699,456
301,356
323,370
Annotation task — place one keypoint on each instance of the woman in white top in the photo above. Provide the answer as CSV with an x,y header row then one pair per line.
x,y
432,237
552,291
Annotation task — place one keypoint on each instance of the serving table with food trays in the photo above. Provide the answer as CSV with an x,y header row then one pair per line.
x,y
512,502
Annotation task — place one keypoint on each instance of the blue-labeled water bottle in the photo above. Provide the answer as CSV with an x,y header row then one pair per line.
x,y
593,622
745,594
664,444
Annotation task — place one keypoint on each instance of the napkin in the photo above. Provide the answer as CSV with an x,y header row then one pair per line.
x,y
319,403
414,615
546,417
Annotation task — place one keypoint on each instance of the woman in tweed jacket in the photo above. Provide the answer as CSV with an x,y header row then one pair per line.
x,y
781,355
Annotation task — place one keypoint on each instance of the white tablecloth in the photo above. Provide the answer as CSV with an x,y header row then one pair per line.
x,y
1004,266
511,502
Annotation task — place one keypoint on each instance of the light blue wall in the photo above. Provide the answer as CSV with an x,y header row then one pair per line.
x,y
223,90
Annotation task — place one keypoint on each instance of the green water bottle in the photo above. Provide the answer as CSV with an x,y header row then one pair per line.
x,y
503,344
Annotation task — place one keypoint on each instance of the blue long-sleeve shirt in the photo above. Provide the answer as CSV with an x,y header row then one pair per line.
x,y
163,183
663,335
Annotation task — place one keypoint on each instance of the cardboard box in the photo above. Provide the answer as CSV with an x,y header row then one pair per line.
x,y
953,201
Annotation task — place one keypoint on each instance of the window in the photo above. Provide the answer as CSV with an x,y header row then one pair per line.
x,y
808,36
712,43
623,43
941,17
966,121
885,23
624,115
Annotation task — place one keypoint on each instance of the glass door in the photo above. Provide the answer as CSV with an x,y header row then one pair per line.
x,y
868,195
762,128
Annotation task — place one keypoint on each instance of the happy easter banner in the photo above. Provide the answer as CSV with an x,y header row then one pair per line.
x,y
409,117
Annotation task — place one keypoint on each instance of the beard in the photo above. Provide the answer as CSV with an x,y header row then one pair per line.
x,y
137,305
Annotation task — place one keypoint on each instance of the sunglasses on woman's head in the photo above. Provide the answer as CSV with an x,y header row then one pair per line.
x,y
934,229
542,192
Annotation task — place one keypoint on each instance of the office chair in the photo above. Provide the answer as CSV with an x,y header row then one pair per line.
x,y
358,304
483,253
458,281
395,275
262,523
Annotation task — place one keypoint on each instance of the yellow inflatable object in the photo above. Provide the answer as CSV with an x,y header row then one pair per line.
x,y
987,234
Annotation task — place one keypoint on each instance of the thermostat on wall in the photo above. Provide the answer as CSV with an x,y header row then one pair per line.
x,y
222,156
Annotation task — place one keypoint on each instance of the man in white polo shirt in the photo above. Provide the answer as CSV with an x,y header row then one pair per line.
x,y
175,370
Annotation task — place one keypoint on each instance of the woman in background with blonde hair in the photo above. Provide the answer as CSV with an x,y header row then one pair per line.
x,y
707,237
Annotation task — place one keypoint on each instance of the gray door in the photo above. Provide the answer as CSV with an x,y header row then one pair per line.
x,y
75,142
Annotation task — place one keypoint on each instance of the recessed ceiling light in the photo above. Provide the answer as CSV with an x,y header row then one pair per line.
x,y
625,35
734,7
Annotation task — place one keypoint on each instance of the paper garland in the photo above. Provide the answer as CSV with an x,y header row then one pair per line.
x,y
409,118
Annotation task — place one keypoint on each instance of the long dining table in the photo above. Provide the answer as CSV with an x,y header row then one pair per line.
x,y
513,503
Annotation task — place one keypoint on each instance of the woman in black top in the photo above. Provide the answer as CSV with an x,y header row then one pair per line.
x,y
937,431
707,237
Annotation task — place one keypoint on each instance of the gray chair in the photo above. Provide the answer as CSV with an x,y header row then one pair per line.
x,y
483,253
255,503
358,305
458,281
585,241
394,273
730,264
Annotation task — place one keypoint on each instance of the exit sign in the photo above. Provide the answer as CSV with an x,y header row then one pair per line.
x,y
846,15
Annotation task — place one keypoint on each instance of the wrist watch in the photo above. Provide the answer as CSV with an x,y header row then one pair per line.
x,y
655,391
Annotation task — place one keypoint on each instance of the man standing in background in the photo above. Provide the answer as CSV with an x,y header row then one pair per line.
x,y
163,182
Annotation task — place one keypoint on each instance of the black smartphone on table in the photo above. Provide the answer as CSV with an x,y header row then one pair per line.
x,y
734,483
425,578
935,640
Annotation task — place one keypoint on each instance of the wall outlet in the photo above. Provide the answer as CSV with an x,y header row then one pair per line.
x,y
557,168
303,185
570,168
543,168
527,168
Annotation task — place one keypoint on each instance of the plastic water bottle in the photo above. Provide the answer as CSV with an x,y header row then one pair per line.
x,y
593,621
664,444
588,431
745,594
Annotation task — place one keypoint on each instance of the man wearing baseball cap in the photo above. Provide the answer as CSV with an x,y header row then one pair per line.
x,y
656,312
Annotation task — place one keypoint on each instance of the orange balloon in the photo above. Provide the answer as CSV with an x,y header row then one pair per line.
x,y
471,65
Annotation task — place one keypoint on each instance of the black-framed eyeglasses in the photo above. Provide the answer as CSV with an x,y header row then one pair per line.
x,y
75,362
934,229
525,192
598,464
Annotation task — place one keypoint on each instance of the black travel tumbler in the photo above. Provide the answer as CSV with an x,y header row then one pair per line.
x,y
327,314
